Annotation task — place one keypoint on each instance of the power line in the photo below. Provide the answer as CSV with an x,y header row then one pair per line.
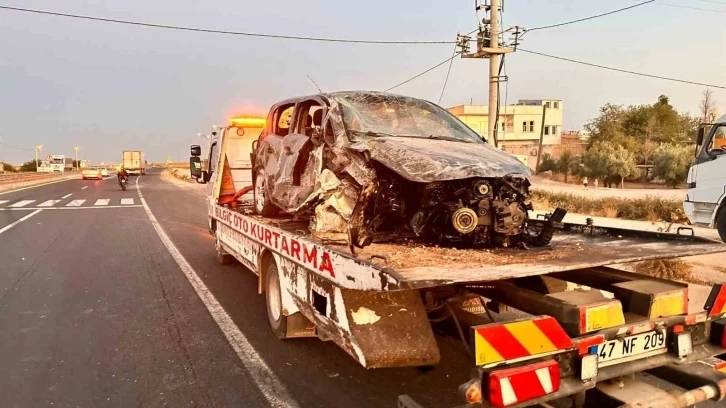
x,y
622,70
424,72
13,147
690,8
446,81
591,17
206,30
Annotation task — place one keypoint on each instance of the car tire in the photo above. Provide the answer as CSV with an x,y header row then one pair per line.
x,y
273,300
263,205
721,224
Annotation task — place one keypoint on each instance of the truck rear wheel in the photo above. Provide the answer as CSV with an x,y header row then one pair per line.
x,y
263,205
273,297
721,224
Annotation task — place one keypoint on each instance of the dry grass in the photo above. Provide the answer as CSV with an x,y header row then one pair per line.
x,y
651,208
673,269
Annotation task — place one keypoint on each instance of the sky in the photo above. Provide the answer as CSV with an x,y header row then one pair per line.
x,y
109,87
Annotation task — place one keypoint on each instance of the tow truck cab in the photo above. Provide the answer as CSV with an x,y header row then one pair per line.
x,y
704,202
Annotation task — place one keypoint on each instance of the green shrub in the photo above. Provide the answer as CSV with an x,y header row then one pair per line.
x,y
650,208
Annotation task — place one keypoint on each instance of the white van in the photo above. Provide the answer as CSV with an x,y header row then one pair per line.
x,y
705,202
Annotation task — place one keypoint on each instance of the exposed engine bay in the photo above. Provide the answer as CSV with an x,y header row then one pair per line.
x,y
385,167
476,212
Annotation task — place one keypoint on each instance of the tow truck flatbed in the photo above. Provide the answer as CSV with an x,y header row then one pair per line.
x,y
416,264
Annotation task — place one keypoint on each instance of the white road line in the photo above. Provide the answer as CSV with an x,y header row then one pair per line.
x,y
7,227
102,201
4,201
70,208
67,195
21,203
75,203
37,185
49,203
127,201
84,187
270,386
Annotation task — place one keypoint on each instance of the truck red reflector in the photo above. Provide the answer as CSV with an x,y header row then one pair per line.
x,y
520,384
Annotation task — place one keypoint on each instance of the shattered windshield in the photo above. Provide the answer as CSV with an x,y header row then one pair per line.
x,y
377,114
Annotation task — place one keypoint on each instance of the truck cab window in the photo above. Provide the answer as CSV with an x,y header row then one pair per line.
x,y
717,145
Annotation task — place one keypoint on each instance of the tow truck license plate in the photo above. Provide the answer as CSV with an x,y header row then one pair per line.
x,y
631,348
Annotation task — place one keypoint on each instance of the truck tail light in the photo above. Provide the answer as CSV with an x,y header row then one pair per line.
x,y
514,385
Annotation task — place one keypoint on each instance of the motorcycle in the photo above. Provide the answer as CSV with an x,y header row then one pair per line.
x,y
123,182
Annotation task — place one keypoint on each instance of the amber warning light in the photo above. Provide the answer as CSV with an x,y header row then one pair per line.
x,y
250,122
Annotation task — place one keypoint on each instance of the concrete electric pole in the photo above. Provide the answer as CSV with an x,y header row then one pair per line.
x,y
494,71
488,46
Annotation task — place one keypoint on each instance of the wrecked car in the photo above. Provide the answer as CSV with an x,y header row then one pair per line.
x,y
370,166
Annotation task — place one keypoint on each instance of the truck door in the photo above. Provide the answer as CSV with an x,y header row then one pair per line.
x,y
709,178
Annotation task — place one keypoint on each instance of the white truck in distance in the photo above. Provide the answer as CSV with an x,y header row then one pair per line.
x,y
704,204
134,162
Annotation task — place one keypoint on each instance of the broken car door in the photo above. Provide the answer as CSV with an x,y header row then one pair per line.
x,y
300,159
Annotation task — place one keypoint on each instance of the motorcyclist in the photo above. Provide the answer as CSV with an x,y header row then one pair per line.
x,y
122,173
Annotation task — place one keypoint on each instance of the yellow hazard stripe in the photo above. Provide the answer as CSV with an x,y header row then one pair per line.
x,y
485,353
531,337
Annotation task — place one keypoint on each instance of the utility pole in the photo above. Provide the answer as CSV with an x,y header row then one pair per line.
x,y
77,164
488,46
541,137
494,71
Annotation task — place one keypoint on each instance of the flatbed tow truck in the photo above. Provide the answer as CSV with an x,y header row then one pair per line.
x,y
382,303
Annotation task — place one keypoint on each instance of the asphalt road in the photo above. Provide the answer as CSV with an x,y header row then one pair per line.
x,y
96,311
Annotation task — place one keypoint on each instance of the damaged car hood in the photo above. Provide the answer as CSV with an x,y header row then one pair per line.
x,y
427,160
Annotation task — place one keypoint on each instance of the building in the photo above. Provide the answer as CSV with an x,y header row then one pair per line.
x,y
520,125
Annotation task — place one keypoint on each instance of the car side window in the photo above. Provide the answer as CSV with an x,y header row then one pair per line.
x,y
282,120
309,117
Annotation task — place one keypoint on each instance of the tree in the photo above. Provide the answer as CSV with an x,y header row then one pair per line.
x,y
8,167
671,163
608,162
608,126
548,163
707,107
565,163
30,165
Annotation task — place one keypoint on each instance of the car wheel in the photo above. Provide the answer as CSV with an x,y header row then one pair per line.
x,y
721,223
273,297
263,205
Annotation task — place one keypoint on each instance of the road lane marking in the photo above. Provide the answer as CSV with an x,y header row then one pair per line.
x,y
4,201
7,227
22,203
37,185
75,203
127,201
70,208
102,201
49,203
84,187
66,196
267,382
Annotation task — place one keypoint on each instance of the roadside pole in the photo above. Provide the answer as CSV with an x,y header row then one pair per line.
x,y
487,42
494,72
541,137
